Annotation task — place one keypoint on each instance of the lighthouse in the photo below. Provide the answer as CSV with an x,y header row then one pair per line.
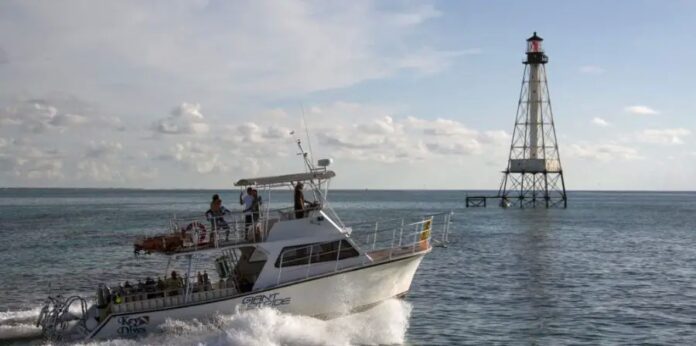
x,y
534,175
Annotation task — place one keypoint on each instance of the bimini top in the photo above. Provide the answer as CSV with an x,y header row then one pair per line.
x,y
287,178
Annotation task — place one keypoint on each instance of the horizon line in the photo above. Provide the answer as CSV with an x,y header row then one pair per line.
x,y
339,189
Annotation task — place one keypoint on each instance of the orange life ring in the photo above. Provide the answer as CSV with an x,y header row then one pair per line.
x,y
201,230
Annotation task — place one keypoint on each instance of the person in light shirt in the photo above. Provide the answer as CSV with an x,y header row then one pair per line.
x,y
248,207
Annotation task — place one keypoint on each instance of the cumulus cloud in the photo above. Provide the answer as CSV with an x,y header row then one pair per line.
x,y
184,119
663,136
28,162
600,122
103,148
604,152
466,147
495,137
57,112
384,126
97,171
641,110
201,157
364,132
441,127
253,133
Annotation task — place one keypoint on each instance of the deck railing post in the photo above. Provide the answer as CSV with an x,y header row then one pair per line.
x,y
338,254
446,227
374,236
415,241
391,248
309,262
188,279
401,232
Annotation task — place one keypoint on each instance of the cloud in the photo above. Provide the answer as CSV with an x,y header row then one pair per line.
x,y
202,158
184,119
384,126
103,148
232,49
414,16
591,69
428,61
663,136
21,160
97,171
366,133
641,110
600,122
604,152
467,147
57,112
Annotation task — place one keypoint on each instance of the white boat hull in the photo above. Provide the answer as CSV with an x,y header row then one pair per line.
x,y
325,296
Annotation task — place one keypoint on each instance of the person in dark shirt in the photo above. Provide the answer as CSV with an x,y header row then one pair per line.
x,y
299,201
216,216
256,205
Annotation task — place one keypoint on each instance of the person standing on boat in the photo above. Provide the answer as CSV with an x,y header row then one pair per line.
x,y
255,205
248,202
299,200
216,216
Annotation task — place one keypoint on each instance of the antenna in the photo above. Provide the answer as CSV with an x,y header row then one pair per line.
x,y
307,161
309,141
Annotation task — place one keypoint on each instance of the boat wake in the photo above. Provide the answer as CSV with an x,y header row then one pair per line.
x,y
384,324
18,326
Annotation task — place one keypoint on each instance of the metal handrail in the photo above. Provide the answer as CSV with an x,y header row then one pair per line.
x,y
372,234
239,214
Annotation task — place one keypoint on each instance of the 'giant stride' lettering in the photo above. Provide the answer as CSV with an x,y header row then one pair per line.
x,y
264,300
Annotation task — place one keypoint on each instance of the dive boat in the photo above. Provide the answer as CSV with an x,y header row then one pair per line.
x,y
306,262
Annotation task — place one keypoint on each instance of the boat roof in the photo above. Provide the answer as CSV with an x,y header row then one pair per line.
x,y
287,178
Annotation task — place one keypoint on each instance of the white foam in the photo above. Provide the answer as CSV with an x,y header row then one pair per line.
x,y
384,324
19,331
15,316
18,324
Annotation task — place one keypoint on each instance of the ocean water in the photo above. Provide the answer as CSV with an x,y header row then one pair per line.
x,y
613,268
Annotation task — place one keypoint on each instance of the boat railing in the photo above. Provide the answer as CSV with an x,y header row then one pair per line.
x,y
192,234
395,238
237,219
389,233
161,298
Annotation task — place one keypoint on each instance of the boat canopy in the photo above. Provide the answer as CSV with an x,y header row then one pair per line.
x,y
287,178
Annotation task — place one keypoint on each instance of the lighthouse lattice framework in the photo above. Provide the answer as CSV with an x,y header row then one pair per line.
x,y
534,176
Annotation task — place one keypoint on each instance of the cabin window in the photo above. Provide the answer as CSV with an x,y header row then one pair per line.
x,y
326,252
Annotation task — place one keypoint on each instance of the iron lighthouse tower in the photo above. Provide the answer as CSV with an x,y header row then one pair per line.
x,y
534,176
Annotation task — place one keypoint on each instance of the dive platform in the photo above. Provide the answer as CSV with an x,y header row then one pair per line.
x,y
482,201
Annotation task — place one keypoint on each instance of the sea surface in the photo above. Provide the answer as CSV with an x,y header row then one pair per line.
x,y
613,268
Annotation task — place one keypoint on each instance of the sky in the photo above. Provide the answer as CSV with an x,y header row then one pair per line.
x,y
401,94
